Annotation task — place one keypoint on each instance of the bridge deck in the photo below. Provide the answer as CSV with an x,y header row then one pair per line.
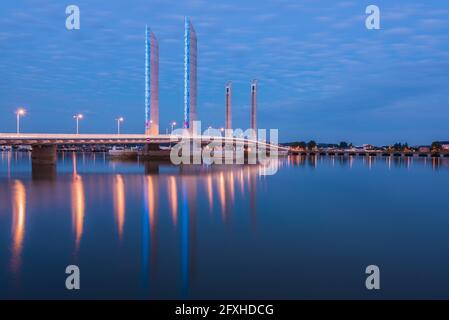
x,y
90,139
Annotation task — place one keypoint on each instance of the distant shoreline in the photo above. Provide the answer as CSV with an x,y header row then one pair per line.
x,y
373,153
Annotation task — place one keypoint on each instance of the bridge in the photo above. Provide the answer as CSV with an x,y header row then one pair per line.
x,y
39,139
34,139
44,145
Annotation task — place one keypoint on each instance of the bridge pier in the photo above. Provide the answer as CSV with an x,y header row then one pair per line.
x,y
43,162
250,153
151,168
151,147
43,172
153,152
43,155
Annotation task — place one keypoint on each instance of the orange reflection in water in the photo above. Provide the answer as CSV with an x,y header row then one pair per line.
x,y
18,222
173,198
210,191
119,203
74,164
222,192
78,204
9,164
231,185
242,182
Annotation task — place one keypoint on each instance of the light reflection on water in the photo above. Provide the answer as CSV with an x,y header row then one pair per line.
x,y
119,203
18,223
152,230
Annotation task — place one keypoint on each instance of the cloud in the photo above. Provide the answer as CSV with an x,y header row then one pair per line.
x,y
433,23
346,4
264,17
399,31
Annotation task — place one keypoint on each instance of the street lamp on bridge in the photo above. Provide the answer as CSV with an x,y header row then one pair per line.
x,y
77,117
19,112
119,121
173,124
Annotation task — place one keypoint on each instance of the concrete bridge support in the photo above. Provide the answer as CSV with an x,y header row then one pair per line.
x,y
151,168
153,152
43,172
43,162
44,155
151,147
251,153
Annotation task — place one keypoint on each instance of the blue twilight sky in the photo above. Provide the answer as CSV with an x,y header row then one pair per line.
x,y
321,73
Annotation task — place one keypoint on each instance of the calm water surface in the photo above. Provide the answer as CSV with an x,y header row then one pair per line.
x,y
156,231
